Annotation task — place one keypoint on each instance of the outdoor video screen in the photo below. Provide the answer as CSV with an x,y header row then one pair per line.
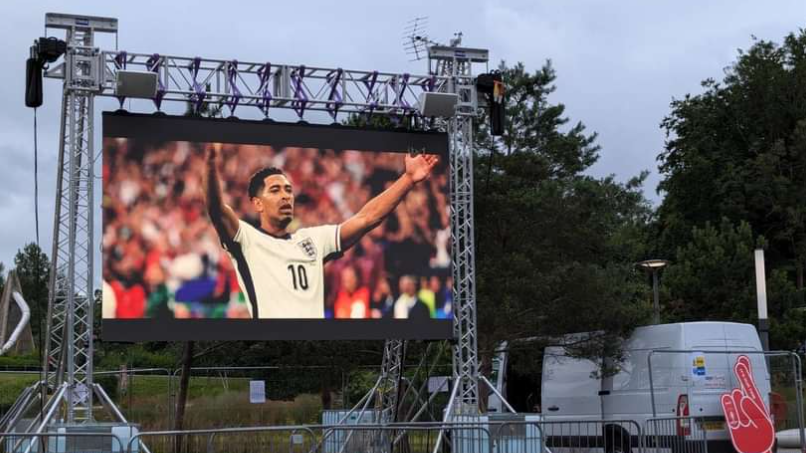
x,y
221,229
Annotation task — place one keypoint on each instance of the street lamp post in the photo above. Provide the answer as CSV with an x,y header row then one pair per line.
x,y
654,267
761,295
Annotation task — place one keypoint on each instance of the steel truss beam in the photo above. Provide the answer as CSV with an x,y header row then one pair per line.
x,y
266,86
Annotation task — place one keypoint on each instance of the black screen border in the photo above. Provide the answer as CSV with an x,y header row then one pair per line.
x,y
155,127
160,127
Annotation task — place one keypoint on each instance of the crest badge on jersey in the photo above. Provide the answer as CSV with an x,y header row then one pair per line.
x,y
307,246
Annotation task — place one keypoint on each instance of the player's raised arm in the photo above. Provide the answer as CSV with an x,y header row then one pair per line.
x,y
418,168
223,217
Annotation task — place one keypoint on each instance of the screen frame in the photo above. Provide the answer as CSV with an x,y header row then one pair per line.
x,y
162,127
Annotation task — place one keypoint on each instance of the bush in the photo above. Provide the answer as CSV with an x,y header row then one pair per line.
x,y
20,362
359,383
109,382
11,386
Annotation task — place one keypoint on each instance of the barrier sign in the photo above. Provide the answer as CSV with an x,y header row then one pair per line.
x,y
257,391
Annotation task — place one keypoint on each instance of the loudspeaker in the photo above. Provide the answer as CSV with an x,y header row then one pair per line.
x,y
438,104
33,83
136,84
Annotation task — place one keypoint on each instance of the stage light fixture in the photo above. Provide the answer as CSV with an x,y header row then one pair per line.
x,y
50,49
44,51
492,85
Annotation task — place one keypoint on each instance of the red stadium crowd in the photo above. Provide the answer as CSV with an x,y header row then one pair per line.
x,y
162,257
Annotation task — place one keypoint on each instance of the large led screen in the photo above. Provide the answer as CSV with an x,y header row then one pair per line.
x,y
220,229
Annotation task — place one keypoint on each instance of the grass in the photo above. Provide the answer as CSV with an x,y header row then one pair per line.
x,y
226,409
213,402
145,386
12,385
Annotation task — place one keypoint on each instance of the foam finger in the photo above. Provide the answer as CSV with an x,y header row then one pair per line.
x,y
731,414
737,396
748,387
760,420
756,414
744,359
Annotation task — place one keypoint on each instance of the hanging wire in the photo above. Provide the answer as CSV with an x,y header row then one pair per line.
x,y
36,181
37,303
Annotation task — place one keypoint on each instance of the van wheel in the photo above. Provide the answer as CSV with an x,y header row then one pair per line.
x,y
616,440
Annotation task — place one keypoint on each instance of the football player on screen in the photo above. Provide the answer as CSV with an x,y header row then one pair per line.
x,y
282,273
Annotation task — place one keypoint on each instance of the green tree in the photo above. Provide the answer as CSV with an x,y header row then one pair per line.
x,y
33,270
738,151
554,247
713,278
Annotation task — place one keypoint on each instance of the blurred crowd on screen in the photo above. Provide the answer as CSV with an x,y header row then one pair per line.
x,y
162,257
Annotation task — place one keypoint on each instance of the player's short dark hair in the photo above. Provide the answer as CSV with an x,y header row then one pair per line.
x,y
256,182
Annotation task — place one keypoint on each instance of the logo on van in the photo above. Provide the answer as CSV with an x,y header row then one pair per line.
x,y
698,365
749,423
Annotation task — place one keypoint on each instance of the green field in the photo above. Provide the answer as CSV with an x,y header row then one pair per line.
x,y
212,402
11,385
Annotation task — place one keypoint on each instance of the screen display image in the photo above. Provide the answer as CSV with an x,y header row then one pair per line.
x,y
226,229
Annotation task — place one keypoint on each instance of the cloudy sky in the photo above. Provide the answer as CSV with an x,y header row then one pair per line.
x,y
619,62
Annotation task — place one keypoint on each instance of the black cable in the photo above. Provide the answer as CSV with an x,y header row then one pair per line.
x,y
37,301
36,182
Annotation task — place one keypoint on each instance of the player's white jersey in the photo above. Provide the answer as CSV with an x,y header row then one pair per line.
x,y
284,278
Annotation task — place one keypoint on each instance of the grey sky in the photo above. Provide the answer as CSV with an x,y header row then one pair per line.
x,y
619,63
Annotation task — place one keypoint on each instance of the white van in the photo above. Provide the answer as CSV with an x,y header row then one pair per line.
x,y
655,382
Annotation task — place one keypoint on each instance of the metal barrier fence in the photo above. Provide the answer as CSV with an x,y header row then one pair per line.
x,y
219,396
610,436
269,439
571,436
143,395
784,392
680,434
482,437
61,443
583,436
405,438
658,435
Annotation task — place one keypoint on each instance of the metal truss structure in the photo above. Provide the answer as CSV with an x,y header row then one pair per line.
x,y
394,353
89,72
68,351
268,86
465,350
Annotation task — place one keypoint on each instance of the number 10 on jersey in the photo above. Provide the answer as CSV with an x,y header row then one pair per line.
x,y
299,277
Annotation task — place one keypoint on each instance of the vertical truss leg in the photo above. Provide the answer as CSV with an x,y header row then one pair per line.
x,y
54,329
423,390
465,354
68,353
389,388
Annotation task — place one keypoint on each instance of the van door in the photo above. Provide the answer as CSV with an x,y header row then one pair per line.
x,y
715,376
626,394
743,337
570,389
